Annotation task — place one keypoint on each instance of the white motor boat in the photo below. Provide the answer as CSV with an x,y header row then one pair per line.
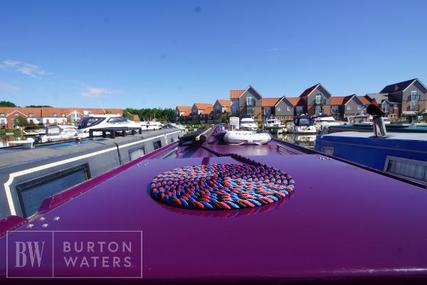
x,y
107,122
246,137
58,133
274,125
302,125
151,125
248,124
322,122
364,120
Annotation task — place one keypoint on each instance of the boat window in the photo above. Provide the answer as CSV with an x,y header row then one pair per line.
x,y
32,193
157,144
89,122
117,120
136,153
411,168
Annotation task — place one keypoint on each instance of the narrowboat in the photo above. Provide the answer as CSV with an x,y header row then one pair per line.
x,y
199,210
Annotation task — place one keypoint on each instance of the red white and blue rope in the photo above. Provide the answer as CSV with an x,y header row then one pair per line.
x,y
222,186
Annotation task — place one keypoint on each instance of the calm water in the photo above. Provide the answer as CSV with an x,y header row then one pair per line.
x,y
307,141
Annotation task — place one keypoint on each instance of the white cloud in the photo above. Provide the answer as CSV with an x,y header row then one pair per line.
x,y
28,69
99,91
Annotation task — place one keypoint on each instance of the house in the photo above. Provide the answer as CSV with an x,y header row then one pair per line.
x,y
343,107
49,115
201,112
183,114
297,106
282,108
412,96
246,103
390,108
221,106
268,106
316,100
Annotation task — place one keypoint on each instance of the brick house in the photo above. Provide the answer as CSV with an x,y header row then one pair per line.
x,y
49,115
343,107
411,95
316,100
221,106
183,113
282,108
202,112
390,108
246,103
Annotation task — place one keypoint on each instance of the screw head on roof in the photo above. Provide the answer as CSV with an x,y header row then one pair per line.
x,y
56,218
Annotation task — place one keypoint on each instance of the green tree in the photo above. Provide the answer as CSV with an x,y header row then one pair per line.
x,y
225,118
7,104
20,122
38,106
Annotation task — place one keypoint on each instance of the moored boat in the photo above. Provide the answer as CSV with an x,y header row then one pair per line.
x,y
302,125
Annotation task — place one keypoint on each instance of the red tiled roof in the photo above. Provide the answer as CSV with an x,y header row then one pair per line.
x,y
50,111
338,100
184,109
236,93
366,100
269,102
294,100
224,102
204,108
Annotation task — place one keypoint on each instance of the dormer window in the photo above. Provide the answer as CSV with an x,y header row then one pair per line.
x,y
55,115
30,115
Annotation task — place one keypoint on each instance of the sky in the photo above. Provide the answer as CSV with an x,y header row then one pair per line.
x,y
160,53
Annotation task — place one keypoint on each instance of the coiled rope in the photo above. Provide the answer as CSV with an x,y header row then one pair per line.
x,y
222,186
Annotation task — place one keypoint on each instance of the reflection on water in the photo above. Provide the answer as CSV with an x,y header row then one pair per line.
x,y
307,141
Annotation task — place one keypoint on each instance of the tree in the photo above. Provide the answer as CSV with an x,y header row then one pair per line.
x,y
7,104
20,122
38,106
148,114
225,118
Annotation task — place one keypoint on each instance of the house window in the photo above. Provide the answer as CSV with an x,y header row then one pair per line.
x,y
2,115
289,108
318,98
55,115
278,109
250,101
385,107
299,110
318,110
415,97
30,115
335,109
359,107
348,108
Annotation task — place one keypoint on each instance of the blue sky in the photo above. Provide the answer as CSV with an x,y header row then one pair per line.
x,y
167,53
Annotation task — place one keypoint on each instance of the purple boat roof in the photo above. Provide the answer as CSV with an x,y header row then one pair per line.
x,y
341,221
